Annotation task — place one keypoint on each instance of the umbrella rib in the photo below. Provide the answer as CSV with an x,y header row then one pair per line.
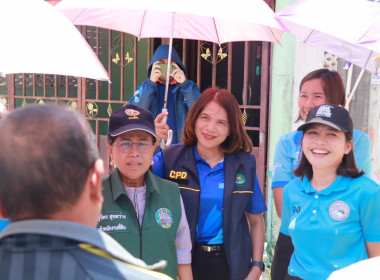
x,y
308,36
274,35
142,24
74,20
216,30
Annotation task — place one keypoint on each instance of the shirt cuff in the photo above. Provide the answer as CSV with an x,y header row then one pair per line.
x,y
279,184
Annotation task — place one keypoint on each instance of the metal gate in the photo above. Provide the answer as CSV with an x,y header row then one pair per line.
x,y
241,67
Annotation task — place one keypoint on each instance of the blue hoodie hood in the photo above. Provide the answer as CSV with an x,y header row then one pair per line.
x,y
163,52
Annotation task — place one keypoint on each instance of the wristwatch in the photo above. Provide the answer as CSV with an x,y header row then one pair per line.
x,y
259,264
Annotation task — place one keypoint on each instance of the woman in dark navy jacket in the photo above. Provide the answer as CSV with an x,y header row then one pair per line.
x,y
217,177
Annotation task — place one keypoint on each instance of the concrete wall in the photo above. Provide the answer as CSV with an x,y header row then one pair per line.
x,y
280,109
365,110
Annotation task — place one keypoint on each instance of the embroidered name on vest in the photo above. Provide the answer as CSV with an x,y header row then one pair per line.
x,y
113,222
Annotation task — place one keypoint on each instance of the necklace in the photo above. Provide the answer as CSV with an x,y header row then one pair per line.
x,y
210,158
212,163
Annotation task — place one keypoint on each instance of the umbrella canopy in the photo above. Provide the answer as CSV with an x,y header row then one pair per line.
x,y
245,20
352,33
37,38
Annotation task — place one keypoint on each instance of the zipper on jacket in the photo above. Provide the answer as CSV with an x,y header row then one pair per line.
x,y
138,223
140,228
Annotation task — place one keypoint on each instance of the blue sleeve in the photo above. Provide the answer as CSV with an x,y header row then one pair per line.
x,y
256,204
158,164
144,94
190,92
362,152
3,224
282,165
369,212
285,214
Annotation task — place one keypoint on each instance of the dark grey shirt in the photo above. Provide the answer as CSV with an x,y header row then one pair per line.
x,y
46,249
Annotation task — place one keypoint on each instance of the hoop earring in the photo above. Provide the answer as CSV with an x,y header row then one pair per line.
x,y
112,163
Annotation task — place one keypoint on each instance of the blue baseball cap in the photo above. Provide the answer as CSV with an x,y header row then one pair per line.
x,y
129,118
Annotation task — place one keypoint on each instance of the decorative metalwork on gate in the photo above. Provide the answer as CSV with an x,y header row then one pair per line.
x,y
242,68
122,50
207,52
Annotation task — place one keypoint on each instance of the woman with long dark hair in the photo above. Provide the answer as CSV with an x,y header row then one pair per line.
x,y
330,211
318,87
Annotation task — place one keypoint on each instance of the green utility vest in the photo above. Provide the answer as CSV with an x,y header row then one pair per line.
x,y
155,240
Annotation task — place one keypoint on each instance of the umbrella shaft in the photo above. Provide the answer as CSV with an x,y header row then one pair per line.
x,y
167,73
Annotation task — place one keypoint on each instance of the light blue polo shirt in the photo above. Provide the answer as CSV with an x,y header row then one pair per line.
x,y
329,228
288,155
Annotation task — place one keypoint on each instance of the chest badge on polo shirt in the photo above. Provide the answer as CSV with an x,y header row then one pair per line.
x,y
240,180
339,210
164,217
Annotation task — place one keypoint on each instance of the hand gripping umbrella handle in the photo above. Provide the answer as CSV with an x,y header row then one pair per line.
x,y
164,145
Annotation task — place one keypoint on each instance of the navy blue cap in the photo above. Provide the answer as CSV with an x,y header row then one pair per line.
x,y
331,115
131,117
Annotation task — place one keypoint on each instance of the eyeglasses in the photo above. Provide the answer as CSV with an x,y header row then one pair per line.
x,y
127,146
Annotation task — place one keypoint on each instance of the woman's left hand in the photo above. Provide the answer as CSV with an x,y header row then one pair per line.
x,y
254,274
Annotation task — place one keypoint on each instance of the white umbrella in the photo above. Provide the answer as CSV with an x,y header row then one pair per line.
x,y
352,33
37,38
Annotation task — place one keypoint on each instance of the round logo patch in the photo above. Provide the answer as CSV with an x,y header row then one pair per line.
x,y
132,113
164,217
240,179
339,210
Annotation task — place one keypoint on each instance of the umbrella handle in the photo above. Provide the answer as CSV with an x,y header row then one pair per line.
x,y
164,145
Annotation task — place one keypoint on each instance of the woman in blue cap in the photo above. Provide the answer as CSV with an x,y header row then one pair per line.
x,y
318,87
330,210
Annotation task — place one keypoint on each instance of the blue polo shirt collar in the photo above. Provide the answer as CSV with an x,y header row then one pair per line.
x,y
198,159
337,186
197,156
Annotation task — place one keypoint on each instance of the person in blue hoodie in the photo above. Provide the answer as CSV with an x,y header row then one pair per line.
x,y
182,92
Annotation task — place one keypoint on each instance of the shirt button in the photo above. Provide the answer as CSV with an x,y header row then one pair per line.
x,y
314,211
316,196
